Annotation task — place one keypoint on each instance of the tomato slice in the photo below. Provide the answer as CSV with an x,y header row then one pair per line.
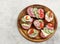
x,y
41,13
41,25
31,31
27,17
50,25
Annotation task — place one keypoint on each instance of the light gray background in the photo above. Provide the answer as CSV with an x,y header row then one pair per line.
x,y
9,10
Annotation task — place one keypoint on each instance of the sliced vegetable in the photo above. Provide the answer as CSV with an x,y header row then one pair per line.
x,y
50,24
27,18
41,23
35,12
41,13
46,30
32,32
23,20
51,31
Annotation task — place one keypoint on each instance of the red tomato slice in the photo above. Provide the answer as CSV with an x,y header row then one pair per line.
x,y
41,25
27,17
41,13
50,25
31,31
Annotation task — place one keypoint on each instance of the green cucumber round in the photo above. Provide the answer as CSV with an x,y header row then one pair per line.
x,y
46,30
23,20
51,31
35,12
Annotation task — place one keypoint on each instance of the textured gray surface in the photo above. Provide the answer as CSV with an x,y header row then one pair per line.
x,y
9,10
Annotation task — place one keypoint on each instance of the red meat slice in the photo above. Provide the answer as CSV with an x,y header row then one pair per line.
x,y
26,27
30,12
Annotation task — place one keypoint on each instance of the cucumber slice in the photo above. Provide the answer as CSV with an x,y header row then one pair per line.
x,y
46,30
40,21
35,9
35,31
37,15
35,12
51,31
23,20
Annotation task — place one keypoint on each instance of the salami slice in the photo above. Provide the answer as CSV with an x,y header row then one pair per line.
x,y
26,26
30,12
50,26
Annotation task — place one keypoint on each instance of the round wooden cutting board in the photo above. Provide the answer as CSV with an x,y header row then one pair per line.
x,y
23,32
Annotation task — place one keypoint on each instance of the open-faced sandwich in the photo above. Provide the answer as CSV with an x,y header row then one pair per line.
x,y
27,18
35,12
32,32
39,24
49,16
49,29
27,21
46,32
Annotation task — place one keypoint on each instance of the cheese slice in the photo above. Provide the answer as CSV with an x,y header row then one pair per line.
x,y
48,18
